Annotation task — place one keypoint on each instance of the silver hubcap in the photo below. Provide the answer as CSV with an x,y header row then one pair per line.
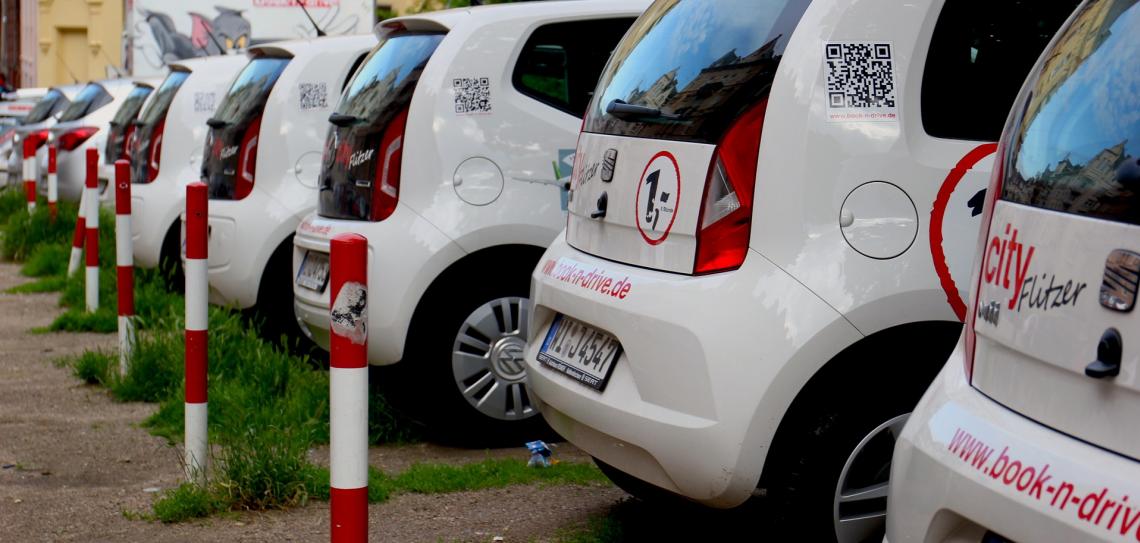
x,y
860,509
487,359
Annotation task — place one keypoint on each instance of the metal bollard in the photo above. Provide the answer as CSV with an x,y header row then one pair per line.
x,y
348,389
125,262
52,182
196,445
92,257
30,173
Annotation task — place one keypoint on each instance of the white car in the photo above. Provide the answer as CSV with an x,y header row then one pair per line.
x,y
35,125
167,153
769,236
1029,433
450,151
262,160
84,125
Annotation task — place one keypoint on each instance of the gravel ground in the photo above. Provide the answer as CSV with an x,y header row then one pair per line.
x,y
72,461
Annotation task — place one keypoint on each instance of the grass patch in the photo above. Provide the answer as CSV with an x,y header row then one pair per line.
x,y
492,473
598,529
49,259
94,367
43,284
187,501
104,321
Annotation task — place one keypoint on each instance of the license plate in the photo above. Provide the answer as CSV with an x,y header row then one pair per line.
x,y
580,352
314,272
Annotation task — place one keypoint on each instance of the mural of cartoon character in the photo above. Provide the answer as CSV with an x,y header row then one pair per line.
x,y
229,31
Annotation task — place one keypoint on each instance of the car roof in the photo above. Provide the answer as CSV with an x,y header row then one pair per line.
x,y
450,18
324,43
192,64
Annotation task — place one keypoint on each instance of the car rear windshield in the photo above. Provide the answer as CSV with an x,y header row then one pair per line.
x,y
156,111
379,92
129,111
691,67
250,90
44,107
89,100
1075,143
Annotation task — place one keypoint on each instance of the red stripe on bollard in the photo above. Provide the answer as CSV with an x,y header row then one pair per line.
x,y
348,263
53,181
124,257
196,219
197,343
80,231
125,275
349,510
92,257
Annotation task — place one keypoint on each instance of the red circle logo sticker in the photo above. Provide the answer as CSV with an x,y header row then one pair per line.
x,y
658,196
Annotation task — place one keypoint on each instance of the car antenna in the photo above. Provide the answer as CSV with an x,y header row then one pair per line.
x,y
320,33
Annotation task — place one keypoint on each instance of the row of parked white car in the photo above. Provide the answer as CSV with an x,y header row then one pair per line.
x,y
723,246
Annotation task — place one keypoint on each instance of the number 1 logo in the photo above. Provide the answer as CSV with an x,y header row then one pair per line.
x,y
658,196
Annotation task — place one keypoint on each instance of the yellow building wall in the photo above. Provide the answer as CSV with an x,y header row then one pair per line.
x,y
78,40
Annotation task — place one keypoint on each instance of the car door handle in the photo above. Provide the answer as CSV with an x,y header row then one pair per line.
x,y
603,203
1108,354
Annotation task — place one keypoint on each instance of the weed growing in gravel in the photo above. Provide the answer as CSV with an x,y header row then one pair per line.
x,y
23,232
48,259
187,501
54,283
93,367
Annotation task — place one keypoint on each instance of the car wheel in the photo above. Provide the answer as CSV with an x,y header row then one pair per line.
x,y
829,468
469,356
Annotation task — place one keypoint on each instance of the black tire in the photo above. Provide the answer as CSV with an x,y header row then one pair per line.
x,y
427,390
170,258
274,313
839,408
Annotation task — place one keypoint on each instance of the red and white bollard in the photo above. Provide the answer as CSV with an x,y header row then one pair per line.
x,y
52,182
125,262
196,326
77,239
30,173
348,389
92,204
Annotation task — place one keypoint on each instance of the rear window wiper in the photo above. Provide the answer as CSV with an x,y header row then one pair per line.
x,y
630,112
342,120
213,122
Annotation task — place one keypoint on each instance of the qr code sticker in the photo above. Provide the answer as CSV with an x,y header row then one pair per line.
x,y
314,95
472,95
204,102
860,81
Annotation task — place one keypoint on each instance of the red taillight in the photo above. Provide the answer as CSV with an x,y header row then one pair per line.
x,y
992,194
38,138
154,151
128,141
726,209
386,192
72,139
247,160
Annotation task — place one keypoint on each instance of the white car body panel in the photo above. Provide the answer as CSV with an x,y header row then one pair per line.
x,y
13,152
156,206
245,233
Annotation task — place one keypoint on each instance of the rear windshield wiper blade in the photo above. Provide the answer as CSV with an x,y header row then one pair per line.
x,y
629,112
342,120
216,123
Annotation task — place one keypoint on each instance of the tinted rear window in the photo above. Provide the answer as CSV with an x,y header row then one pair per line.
x,y
701,63
979,56
251,89
45,107
156,111
129,111
1076,139
89,100
380,91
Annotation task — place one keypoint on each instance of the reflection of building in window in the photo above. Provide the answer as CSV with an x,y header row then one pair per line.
x,y
719,93
1090,189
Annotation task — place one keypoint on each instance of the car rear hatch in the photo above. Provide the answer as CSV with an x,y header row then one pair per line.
x,y
123,124
1056,332
230,159
52,102
88,101
360,171
146,144
665,168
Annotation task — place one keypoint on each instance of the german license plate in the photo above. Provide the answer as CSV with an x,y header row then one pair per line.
x,y
580,352
314,272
